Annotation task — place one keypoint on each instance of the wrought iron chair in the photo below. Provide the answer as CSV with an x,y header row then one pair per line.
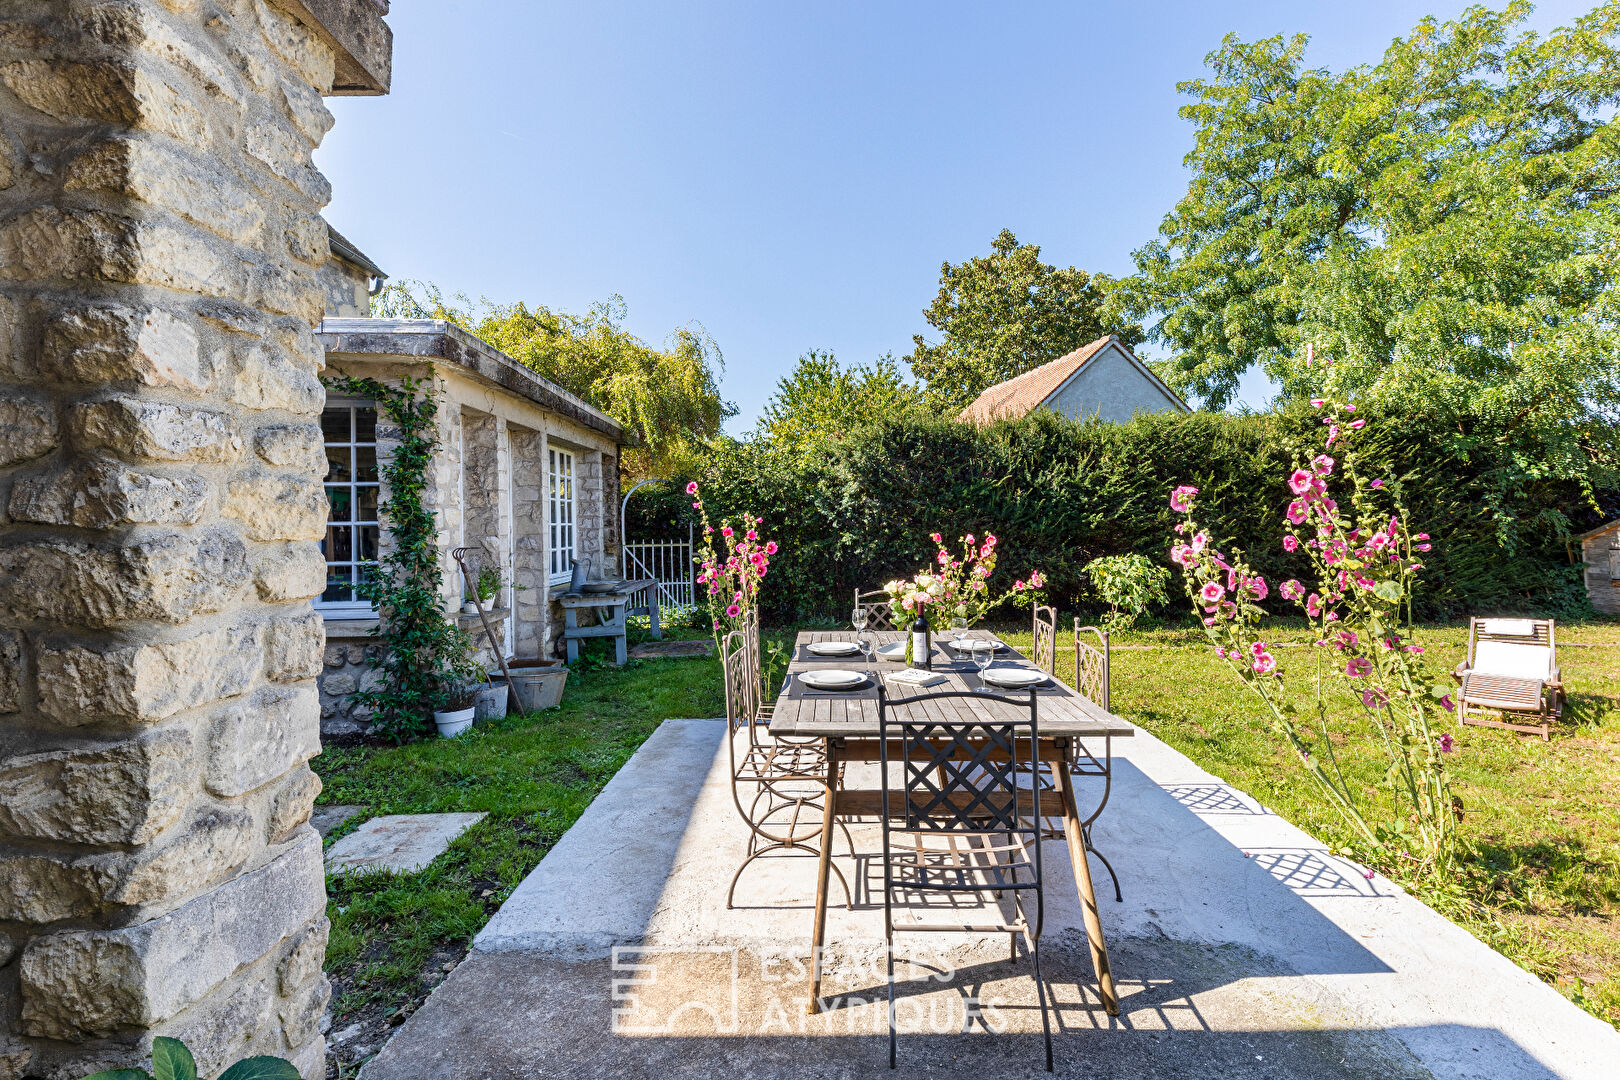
x,y
1044,652
783,780
879,609
1512,671
960,785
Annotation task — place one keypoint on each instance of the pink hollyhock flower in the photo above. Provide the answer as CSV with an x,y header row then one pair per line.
x,y
1037,579
1258,587
1357,425
944,558
1300,482
1317,403
1377,484
733,611
770,547
1200,541
1420,536
1181,498
968,539
1313,605
725,530
1231,579
708,530
1358,667
1348,639
989,540
1322,464
1290,542
1209,620
1332,616
934,537
697,506
738,597
1212,592
717,624
752,535
1374,698
1415,649
1221,653
691,489
1394,527
1182,555
1265,664
1447,704
1333,435
1379,541
1256,648
1365,582
1422,547
1446,744
1018,586
1296,511
1291,589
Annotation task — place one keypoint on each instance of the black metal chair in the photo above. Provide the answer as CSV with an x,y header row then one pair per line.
x,y
960,783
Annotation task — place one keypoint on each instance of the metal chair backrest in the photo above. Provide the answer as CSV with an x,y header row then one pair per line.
x,y
736,675
756,664
1091,674
879,609
961,776
1516,648
1045,644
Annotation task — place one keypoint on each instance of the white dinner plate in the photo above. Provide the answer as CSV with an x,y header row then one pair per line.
x,y
1014,678
835,679
977,645
834,648
893,651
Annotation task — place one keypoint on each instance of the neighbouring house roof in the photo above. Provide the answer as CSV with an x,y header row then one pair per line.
x,y
343,249
1023,394
1607,526
436,339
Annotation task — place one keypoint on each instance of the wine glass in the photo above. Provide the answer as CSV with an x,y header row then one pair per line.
x,y
959,625
858,619
984,654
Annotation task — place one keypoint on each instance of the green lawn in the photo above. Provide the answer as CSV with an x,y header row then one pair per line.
x,y
1543,818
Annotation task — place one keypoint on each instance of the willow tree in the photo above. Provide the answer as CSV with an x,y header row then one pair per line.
x,y
668,398
1444,223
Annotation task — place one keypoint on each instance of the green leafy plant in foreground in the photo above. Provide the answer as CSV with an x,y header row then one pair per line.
x,y
172,1061
1128,584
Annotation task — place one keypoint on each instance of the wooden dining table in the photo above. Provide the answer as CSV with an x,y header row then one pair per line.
x,y
848,722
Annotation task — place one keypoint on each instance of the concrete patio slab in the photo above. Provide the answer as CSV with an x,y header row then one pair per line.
x,y
403,843
1242,948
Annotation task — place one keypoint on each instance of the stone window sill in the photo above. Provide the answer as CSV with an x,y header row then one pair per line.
x,y
361,628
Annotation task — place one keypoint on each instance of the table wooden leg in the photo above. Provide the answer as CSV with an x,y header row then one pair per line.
x,y
818,932
1073,833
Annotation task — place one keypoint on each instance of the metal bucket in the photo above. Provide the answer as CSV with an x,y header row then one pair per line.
x,y
538,684
490,702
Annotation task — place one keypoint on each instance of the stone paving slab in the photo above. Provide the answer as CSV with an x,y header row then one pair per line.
x,y
403,843
1242,948
327,818
666,650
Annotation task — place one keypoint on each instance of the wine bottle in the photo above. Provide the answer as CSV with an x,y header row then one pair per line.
x,y
922,648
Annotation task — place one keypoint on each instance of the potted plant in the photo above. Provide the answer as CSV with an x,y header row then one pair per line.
x,y
489,583
460,675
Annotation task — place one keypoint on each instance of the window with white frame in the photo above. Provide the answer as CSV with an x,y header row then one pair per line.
x,y
561,469
349,429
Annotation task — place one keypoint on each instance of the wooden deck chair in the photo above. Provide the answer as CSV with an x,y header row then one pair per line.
x,y
1511,671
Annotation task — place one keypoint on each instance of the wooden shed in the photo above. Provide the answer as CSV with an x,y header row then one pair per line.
x,y
1600,551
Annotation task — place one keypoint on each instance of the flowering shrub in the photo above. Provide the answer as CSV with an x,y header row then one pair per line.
x,y
959,585
1127,584
1365,560
731,573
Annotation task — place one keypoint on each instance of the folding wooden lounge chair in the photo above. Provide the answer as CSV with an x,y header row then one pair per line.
x,y
1511,671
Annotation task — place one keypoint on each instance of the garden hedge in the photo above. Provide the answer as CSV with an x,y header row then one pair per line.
x,y
1059,493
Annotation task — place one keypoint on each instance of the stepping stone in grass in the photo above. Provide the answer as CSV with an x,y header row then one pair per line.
x,y
327,818
663,650
399,842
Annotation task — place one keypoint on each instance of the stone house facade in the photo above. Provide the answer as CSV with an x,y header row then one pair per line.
x,y
525,472
160,510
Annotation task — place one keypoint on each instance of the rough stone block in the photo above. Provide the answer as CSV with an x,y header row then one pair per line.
x,y
287,290
27,428
303,959
47,242
121,344
298,447
306,239
257,741
289,572
294,647
293,804
266,380
165,175
307,110
221,1032
115,90
148,682
47,888
301,1014
155,430
340,684
169,576
298,45
310,1059
11,661
100,493
121,794
277,506
287,154
96,982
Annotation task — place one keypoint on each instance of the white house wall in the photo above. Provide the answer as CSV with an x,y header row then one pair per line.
x,y
1112,387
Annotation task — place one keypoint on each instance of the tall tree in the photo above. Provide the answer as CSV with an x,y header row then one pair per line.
x,y
668,398
1001,314
1444,223
821,401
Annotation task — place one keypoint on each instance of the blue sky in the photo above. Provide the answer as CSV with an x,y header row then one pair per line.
x,y
790,176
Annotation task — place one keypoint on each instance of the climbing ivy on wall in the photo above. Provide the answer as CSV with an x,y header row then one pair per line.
x,y
423,650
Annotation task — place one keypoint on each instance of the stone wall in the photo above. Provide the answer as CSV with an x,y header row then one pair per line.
x,y
160,471
530,610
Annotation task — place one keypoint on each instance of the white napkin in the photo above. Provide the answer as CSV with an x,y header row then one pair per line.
x,y
915,677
